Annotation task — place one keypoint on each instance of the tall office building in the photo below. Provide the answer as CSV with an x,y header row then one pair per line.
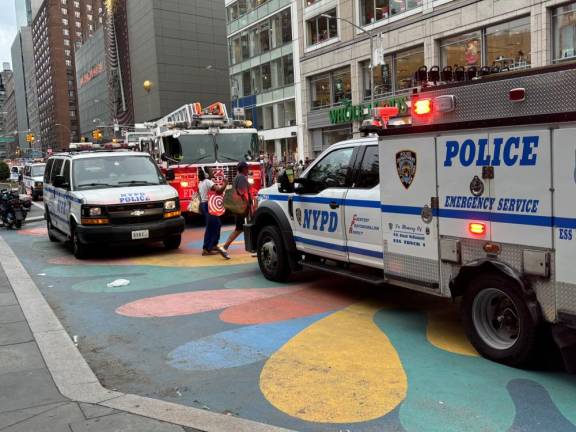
x,y
24,70
171,44
7,110
264,69
59,27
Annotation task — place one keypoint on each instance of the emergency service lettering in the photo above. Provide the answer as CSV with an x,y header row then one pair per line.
x,y
514,151
320,220
516,205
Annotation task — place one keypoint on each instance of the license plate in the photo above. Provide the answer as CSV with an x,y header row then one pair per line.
x,y
139,235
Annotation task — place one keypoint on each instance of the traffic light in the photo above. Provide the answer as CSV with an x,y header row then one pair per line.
x,y
97,135
30,138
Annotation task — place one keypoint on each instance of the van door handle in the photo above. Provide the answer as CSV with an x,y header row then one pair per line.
x,y
334,205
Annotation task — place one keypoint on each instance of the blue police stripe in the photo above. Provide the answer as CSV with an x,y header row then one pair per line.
x,y
339,248
515,219
60,218
62,195
316,200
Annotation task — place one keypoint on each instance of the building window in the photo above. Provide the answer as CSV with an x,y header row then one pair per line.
x,y
320,29
320,91
372,11
564,37
241,8
341,86
462,50
263,37
505,45
395,75
508,44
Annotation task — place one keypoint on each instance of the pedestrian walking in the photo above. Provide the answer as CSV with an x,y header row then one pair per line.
x,y
213,223
242,188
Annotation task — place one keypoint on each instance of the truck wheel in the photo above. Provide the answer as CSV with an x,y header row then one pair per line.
x,y
498,321
50,228
272,257
79,249
173,242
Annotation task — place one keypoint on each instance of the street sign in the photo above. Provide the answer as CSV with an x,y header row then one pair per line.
x,y
238,112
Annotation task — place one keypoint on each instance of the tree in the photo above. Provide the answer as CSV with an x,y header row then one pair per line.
x,y
4,171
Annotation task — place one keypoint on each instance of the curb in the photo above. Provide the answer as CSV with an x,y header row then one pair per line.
x,y
76,381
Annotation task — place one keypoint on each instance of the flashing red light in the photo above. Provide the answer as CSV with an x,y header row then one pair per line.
x,y
422,106
477,228
517,95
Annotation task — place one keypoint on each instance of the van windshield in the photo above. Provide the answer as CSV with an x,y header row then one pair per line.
x,y
38,170
115,171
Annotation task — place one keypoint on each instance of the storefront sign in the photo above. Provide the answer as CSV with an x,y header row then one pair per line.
x,y
91,74
348,112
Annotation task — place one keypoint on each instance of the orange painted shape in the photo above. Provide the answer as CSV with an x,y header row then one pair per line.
x,y
190,303
305,302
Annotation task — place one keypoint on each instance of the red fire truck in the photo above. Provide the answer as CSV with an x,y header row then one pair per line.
x,y
193,137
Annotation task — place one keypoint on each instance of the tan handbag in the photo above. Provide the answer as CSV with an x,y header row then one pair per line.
x,y
194,205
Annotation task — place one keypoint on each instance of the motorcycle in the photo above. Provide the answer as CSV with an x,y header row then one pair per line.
x,y
13,210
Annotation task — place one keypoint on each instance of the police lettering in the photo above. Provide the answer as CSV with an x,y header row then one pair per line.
x,y
512,151
320,220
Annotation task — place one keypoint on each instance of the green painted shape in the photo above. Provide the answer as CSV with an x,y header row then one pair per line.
x,y
472,389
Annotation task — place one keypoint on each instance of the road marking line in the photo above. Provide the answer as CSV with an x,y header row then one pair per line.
x,y
40,206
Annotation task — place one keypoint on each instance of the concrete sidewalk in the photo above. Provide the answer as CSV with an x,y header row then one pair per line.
x,y
46,385
29,398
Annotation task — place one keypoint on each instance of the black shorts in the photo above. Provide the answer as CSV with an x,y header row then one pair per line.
x,y
239,221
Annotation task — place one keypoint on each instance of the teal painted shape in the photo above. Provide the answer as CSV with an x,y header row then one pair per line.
x,y
449,392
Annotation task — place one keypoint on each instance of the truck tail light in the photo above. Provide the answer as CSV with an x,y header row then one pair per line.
x,y
477,228
422,107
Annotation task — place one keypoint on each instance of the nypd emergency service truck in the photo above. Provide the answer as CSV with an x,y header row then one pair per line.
x,y
104,198
476,199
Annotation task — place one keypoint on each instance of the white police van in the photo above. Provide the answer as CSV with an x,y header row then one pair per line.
x,y
476,199
32,179
104,198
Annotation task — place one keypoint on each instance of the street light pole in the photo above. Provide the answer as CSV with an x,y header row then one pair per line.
x,y
371,36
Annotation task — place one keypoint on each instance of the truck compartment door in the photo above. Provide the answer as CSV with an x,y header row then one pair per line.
x,y
464,193
408,195
521,188
564,171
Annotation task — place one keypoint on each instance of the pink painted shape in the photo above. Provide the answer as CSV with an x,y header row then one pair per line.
x,y
190,303
297,304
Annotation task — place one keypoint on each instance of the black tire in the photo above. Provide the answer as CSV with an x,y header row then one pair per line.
x,y
79,249
17,224
498,321
50,228
173,242
272,256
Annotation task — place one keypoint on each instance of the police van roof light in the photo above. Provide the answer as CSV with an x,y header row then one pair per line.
x,y
422,106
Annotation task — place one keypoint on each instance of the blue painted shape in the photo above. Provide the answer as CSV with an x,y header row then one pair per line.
x,y
237,347
448,392
535,411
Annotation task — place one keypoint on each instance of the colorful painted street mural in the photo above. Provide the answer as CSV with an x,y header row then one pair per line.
x,y
317,354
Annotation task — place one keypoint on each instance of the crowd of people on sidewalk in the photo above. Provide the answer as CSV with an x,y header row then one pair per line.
x,y
241,186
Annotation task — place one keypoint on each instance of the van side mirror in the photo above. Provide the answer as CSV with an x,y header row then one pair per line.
x,y
60,182
286,184
301,185
170,176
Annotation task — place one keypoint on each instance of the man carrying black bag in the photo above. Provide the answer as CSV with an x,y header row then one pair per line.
x,y
241,186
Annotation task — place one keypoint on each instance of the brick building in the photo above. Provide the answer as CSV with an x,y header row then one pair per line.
x,y
59,27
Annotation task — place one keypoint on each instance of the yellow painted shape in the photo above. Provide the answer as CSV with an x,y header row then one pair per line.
x,y
445,331
189,260
342,369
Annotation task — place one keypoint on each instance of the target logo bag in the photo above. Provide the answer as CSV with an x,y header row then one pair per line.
x,y
215,204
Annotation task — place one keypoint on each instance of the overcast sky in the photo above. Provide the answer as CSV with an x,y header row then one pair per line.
x,y
7,29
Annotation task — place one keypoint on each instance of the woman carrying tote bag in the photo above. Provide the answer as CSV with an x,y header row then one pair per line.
x,y
213,223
